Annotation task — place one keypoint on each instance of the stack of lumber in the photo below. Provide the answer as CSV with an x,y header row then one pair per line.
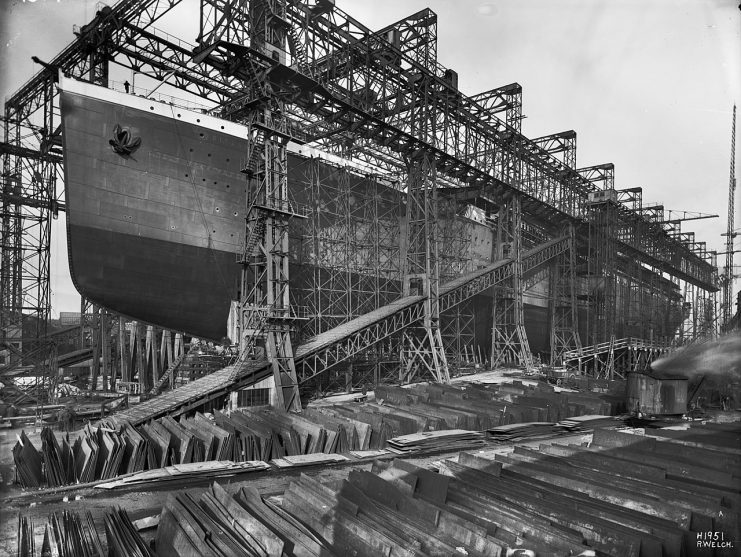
x,y
448,440
587,423
516,432
180,472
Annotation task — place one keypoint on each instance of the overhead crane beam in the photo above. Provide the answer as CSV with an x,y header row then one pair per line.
x,y
73,59
343,57
507,99
685,216
563,143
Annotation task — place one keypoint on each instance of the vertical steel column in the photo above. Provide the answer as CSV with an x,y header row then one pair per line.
x,y
124,360
151,354
423,349
106,355
564,322
27,198
265,306
601,269
265,292
509,344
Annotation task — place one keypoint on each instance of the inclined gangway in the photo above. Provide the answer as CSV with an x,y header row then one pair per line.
x,y
616,356
331,347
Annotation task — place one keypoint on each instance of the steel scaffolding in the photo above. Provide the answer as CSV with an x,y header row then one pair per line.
x,y
383,101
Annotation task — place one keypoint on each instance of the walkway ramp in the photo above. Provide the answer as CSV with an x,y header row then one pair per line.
x,y
631,343
616,357
343,342
198,392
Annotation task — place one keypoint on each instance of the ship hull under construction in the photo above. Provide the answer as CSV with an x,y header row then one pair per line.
x,y
156,202
155,208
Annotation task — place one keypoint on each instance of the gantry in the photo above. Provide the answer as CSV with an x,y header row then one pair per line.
x,y
307,72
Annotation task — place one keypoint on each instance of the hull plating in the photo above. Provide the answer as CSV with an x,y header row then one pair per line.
x,y
156,212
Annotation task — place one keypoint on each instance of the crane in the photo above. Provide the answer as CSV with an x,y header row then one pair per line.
x,y
726,309
674,216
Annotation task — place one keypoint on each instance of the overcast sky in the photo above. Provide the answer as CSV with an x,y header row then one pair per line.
x,y
648,85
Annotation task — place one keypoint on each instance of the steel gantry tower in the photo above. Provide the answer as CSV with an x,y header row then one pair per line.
x,y
383,99
265,304
423,352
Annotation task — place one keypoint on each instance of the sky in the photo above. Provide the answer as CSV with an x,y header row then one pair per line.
x,y
648,85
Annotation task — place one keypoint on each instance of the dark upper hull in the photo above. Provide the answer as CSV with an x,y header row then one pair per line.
x,y
152,234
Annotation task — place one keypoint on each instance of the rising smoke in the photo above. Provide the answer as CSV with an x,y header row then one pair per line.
x,y
715,357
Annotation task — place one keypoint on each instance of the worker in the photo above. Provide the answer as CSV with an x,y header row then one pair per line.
x,y
66,418
127,85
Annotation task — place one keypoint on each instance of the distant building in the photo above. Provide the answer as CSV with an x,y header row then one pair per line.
x,y
69,318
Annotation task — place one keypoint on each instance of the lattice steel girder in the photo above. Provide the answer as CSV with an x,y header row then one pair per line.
x,y
154,53
415,36
509,339
561,142
648,242
602,271
422,350
314,363
460,135
507,98
269,207
321,37
73,60
564,317
421,266
447,94
336,46
604,173
27,198
222,20
459,290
